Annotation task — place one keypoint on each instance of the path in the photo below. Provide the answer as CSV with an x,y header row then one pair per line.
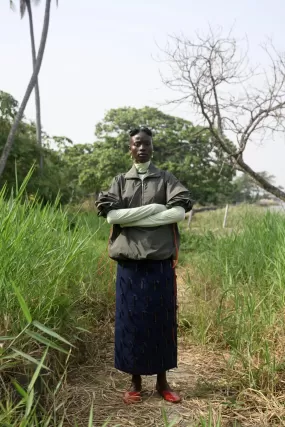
x,y
195,378
201,378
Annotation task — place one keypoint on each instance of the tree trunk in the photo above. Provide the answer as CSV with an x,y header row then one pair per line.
x,y
10,140
263,183
244,167
37,90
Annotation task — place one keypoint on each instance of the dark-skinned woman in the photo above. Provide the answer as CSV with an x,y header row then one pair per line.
x,y
144,206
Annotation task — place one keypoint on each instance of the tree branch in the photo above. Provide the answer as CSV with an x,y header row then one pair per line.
x,y
214,76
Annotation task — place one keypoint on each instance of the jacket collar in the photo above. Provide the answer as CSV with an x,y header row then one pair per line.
x,y
152,171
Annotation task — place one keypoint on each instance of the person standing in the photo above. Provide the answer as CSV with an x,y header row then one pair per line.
x,y
144,206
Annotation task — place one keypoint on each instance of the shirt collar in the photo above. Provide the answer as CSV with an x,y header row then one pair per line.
x,y
152,171
142,167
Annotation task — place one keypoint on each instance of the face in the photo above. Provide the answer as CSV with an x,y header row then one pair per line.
x,y
141,147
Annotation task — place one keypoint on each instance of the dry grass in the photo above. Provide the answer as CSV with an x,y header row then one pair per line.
x,y
101,383
210,394
211,388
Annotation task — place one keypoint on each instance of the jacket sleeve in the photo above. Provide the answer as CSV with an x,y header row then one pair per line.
x,y
169,216
110,200
176,193
125,216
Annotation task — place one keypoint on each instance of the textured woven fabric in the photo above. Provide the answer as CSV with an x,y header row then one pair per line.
x,y
145,325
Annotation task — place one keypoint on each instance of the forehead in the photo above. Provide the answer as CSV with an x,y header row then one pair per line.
x,y
141,136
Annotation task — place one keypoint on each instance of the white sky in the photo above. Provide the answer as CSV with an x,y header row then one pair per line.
x,y
99,55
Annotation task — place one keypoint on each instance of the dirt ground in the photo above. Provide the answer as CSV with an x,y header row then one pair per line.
x,y
202,378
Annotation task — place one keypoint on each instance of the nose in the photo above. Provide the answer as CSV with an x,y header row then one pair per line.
x,y
143,147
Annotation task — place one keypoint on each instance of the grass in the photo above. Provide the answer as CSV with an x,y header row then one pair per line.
x,y
235,283
56,289
54,281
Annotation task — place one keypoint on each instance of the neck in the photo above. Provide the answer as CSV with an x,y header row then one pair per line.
x,y
142,167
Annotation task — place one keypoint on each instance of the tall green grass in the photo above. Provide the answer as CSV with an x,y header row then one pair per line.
x,y
236,292
54,277
56,283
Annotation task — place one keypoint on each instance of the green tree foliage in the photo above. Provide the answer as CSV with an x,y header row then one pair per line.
x,y
25,154
183,149
77,170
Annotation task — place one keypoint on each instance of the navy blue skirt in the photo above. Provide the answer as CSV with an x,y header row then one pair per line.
x,y
145,325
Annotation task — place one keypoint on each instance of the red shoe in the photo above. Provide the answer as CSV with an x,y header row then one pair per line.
x,y
132,397
170,396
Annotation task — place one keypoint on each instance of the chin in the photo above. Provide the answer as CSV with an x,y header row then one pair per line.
x,y
143,160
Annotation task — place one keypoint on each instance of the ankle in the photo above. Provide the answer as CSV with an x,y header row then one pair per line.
x,y
162,383
136,383
136,379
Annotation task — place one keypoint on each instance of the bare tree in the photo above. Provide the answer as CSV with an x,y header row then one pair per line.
x,y
235,102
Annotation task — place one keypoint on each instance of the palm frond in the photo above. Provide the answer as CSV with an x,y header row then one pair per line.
x,y
36,2
12,6
23,7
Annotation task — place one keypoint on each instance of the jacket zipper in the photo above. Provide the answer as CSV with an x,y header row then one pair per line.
x,y
142,193
142,198
142,184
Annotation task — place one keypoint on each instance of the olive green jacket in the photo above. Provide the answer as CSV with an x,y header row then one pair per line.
x,y
129,191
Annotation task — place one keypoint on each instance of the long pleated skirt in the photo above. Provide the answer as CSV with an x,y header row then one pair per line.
x,y
145,324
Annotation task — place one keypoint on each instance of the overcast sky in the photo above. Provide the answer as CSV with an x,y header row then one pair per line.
x,y
99,55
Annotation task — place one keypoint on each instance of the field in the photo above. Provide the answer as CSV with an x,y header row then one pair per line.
x,y
57,309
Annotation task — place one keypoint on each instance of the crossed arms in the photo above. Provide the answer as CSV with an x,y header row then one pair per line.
x,y
152,215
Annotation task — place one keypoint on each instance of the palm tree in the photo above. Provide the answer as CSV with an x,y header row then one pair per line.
x,y
31,85
26,5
